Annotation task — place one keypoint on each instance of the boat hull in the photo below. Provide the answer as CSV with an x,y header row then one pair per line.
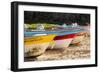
x,y
63,41
36,45
35,49
62,44
79,38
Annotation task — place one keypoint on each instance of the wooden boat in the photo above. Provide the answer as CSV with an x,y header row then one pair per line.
x,y
36,42
78,39
36,45
63,41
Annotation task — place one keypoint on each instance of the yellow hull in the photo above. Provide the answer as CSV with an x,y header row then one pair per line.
x,y
37,45
39,39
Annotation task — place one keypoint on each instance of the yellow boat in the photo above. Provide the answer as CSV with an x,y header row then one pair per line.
x,y
37,45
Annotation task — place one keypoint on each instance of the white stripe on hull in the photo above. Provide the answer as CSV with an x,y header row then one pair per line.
x,y
62,43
